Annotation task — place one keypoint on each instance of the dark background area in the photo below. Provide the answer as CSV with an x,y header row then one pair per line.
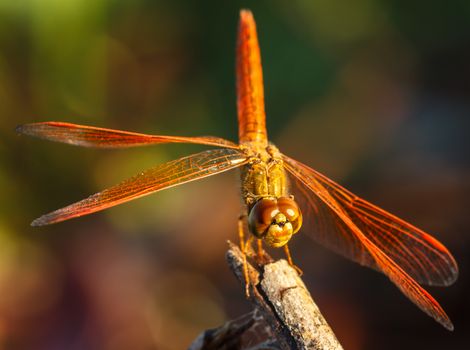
x,y
374,94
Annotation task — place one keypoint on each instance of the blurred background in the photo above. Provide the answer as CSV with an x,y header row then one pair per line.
x,y
374,94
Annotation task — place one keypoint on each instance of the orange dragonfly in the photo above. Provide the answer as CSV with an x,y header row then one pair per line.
x,y
342,221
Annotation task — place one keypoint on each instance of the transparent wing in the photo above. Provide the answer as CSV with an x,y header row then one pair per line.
x,y
375,238
163,176
89,136
420,255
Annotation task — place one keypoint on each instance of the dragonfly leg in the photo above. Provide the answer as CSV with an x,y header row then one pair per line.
x,y
243,248
289,260
259,250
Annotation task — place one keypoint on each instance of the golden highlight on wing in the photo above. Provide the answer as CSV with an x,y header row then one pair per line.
x,y
337,225
162,176
90,136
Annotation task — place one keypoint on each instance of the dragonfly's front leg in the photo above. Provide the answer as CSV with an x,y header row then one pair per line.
x,y
244,247
289,260
259,249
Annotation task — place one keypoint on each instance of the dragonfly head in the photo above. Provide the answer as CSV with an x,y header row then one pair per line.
x,y
275,220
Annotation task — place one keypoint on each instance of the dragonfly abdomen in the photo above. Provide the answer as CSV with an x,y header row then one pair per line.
x,y
250,90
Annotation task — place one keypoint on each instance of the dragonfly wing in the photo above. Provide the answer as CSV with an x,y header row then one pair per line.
x,y
336,226
89,136
162,176
419,254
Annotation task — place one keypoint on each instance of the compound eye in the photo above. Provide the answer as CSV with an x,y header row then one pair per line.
x,y
261,216
291,210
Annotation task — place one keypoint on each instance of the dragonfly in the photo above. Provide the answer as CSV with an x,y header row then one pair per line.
x,y
340,220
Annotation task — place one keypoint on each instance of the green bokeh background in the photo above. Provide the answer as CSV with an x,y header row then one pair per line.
x,y
374,94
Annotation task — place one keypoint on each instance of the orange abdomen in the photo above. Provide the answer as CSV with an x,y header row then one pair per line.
x,y
250,91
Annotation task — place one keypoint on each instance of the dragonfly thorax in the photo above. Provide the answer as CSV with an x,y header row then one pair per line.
x,y
275,220
273,215
264,175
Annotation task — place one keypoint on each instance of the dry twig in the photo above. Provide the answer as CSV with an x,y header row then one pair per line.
x,y
284,317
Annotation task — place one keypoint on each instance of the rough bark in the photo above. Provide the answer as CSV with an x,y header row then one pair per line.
x,y
284,316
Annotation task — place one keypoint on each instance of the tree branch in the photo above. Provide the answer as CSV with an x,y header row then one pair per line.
x,y
284,316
